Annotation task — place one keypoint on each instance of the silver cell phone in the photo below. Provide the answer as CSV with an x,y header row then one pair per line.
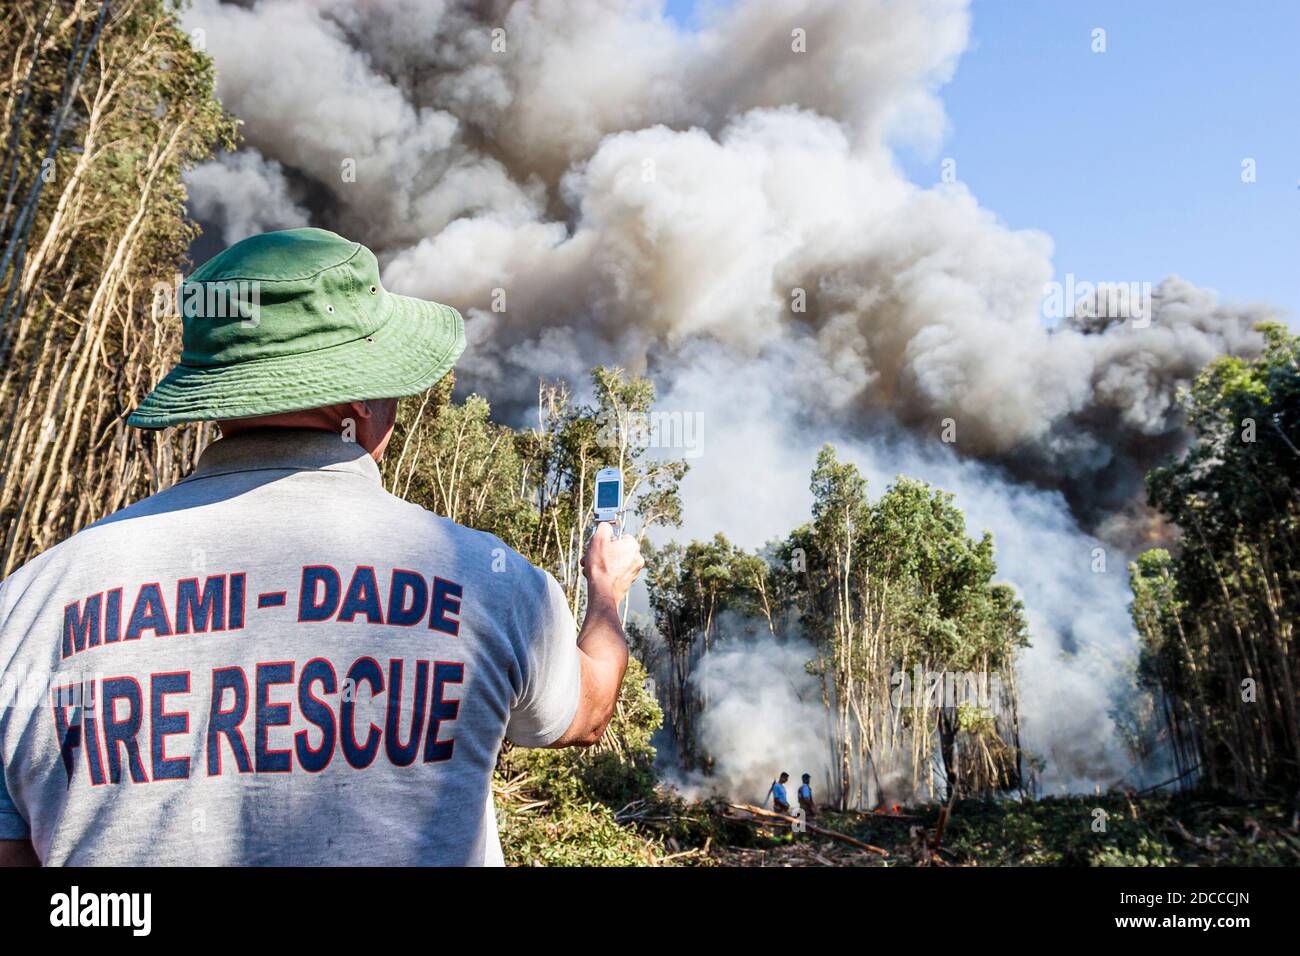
x,y
609,497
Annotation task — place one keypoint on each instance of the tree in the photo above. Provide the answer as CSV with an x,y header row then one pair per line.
x,y
562,455
105,104
884,591
690,587
1217,616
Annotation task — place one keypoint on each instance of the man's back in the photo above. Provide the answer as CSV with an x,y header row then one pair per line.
x,y
276,662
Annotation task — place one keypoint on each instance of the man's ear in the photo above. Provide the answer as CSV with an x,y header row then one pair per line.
x,y
362,410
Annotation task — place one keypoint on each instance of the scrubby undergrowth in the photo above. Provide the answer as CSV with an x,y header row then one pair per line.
x,y
1184,830
662,829
603,807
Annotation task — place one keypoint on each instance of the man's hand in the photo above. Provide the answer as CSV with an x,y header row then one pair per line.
x,y
610,566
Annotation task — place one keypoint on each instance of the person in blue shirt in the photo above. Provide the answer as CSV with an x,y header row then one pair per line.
x,y
806,797
781,799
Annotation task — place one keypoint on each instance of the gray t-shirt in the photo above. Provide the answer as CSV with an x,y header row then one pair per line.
x,y
274,662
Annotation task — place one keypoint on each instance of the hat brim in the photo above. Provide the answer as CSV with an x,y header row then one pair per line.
x,y
407,355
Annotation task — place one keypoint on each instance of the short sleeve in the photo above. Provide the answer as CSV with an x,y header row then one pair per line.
x,y
12,824
552,674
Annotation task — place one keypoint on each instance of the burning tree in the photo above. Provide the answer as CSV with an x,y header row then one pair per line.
x,y
897,587
689,588
882,590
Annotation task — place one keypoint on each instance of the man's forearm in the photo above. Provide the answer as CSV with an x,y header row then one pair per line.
x,y
604,645
602,650
602,630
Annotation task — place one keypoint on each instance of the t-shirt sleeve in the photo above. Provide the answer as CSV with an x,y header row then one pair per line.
x,y
12,824
552,675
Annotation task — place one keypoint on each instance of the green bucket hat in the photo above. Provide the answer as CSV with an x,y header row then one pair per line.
x,y
292,320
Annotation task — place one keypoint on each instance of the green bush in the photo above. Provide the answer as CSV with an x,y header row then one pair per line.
x,y
563,813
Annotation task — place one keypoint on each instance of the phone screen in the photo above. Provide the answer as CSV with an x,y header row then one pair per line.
x,y
607,494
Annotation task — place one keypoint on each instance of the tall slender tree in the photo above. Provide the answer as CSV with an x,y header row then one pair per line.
x,y
105,104
1217,615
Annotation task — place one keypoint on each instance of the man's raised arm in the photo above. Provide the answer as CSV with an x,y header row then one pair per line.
x,y
610,566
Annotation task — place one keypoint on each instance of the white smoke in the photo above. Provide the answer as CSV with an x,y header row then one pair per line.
x,y
722,209
1082,638
764,716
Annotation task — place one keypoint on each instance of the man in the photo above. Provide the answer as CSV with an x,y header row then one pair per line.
x,y
806,797
780,798
275,661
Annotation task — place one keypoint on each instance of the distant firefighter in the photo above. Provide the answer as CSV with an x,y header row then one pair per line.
x,y
780,799
806,797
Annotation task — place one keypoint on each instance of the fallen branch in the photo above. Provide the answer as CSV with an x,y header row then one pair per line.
x,y
811,827
1165,783
874,815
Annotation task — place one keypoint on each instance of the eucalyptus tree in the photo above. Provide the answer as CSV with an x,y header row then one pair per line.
x,y
104,105
1217,614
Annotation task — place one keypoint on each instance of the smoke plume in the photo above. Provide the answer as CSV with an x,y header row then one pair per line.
x,y
764,715
721,209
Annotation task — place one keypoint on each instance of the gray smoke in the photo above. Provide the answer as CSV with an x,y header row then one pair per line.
x,y
266,202
764,715
1075,596
724,212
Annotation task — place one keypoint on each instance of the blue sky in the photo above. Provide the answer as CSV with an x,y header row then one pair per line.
x,y
1131,159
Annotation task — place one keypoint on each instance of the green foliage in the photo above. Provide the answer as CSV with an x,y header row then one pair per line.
x,y
574,833
877,587
582,789
1217,616
897,585
532,487
689,587
614,774
1148,831
1156,830
453,459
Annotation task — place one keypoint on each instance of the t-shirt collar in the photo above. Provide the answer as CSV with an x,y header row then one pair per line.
x,y
290,449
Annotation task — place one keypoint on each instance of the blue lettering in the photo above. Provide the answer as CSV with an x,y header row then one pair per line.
x,y
309,609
